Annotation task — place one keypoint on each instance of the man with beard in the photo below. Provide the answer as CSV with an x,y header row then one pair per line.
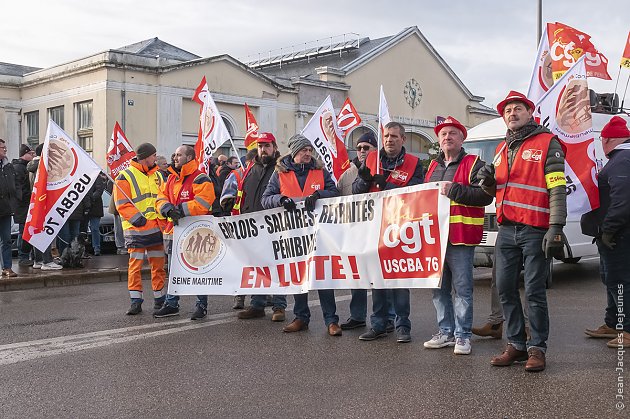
x,y
528,180
248,199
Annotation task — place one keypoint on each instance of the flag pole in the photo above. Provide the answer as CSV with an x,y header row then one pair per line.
x,y
624,93
236,151
617,82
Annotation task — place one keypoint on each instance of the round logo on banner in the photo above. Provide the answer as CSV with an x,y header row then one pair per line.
x,y
200,249
574,109
62,163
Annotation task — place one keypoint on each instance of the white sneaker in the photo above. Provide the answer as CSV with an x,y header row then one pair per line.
x,y
440,340
36,265
52,266
462,346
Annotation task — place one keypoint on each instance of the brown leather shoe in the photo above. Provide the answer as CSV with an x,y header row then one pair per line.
x,y
493,330
536,360
278,315
334,329
251,313
508,357
621,341
296,325
602,331
8,273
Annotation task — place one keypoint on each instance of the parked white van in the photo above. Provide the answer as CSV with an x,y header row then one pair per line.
x,y
482,140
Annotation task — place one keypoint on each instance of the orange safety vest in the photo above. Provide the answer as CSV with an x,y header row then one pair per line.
x,y
400,176
466,221
522,195
290,187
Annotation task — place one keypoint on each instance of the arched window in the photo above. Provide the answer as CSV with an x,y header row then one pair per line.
x,y
418,144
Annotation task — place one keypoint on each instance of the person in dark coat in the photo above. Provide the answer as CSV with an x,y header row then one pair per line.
x,y
8,197
23,191
95,212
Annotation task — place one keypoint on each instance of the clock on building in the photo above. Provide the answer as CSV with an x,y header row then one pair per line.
x,y
413,93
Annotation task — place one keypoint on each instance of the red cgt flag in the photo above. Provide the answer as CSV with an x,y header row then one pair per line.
x,y
625,58
251,136
119,152
567,45
348,117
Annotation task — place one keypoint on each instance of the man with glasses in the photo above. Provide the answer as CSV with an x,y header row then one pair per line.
x,y
8,197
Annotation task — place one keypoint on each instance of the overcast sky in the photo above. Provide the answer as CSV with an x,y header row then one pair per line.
x,y
491,45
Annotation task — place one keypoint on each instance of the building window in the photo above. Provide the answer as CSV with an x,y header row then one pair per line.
x,y
32,128
56,114
84,126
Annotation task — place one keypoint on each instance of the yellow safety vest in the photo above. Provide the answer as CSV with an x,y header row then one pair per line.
x,y
144,190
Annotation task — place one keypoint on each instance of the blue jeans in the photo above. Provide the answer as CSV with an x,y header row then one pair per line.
x,y
326,300
68,232
260,301
358,305
5,239
381,302
24,247
613,268
95,224
515,244
457,275
43,257
118,233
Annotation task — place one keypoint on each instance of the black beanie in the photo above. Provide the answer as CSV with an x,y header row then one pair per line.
x,y
145,150
24,149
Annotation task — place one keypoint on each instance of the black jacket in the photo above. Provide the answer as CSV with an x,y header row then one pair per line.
x,y
23,190
614,193
255,183
466,195
96,196
8,193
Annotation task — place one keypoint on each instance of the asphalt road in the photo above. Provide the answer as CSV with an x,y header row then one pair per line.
x,y
71,352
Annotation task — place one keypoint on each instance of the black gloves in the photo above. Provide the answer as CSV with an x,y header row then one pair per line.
x,y
553,242
309,201
175,214
380,181
365,174
227,204
608,240
287,203
139,222
486,176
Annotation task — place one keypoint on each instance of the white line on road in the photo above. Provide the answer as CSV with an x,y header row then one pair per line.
x,y
25,351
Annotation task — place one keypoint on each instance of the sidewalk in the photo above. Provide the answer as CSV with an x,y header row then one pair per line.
x,y
105,268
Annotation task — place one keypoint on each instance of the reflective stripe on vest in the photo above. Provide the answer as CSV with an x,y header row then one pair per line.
x,y
466,221
522,195
400,176
290,187
144,191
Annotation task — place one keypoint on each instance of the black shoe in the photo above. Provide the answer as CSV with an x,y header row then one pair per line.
x,y
136,308
166,311
200,313
352,324
372,335
157,304
390,326
403,335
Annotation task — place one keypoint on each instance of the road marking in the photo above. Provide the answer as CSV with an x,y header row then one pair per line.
x,y
26,351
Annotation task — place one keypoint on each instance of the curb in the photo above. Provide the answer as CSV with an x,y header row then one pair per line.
x,y
68,278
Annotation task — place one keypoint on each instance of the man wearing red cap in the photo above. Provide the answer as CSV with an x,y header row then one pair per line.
x,y
527,177
455,168
613,217
248,199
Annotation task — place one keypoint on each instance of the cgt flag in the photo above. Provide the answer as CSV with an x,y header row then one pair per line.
x,y
348,118
212,131
566,111
625,58
64,176
119,152
567,45
324,133
251,136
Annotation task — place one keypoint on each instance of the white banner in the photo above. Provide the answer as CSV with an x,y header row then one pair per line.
x,y
65,174
390,239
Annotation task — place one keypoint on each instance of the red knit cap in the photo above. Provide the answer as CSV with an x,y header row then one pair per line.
x,y
616,128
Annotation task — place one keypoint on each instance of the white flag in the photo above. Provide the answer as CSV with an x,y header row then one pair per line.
x,y
542,78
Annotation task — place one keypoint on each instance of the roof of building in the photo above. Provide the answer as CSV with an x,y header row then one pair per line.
x,y
155,47
9,69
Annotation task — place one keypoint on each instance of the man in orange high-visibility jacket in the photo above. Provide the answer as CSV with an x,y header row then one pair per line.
x,y
527,177
134,195
299,176
458,170
187,191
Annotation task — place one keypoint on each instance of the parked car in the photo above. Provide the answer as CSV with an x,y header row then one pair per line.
x,y
15,231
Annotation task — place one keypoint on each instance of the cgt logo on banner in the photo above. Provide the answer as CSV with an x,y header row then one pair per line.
x,y
390,239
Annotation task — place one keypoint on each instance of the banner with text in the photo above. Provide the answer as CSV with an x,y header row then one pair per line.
x,y
390,239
